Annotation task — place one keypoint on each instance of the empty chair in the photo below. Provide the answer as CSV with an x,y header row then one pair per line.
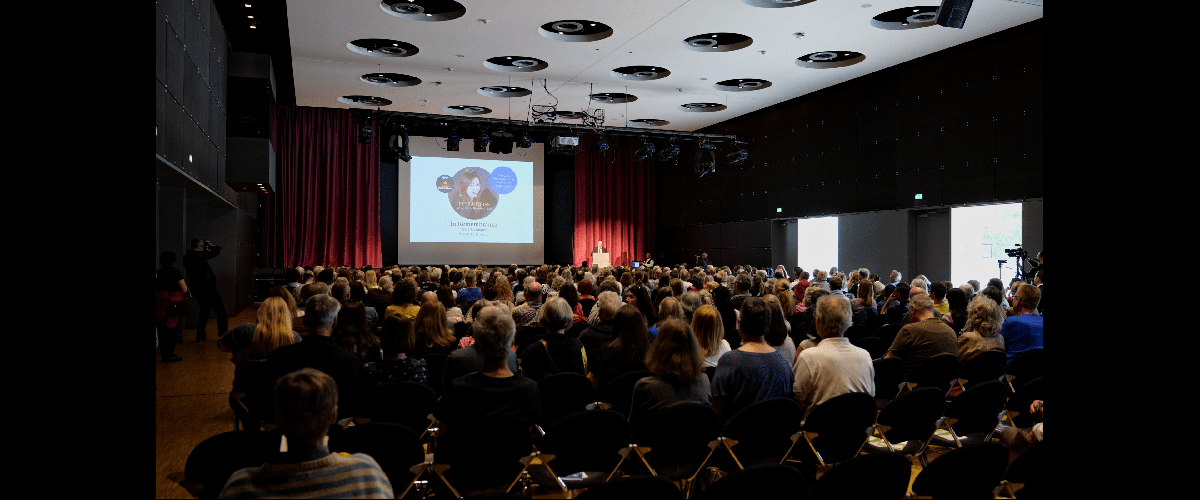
x,y
1026,476
619,392
937,371
586,441
985,366
911,418
970,472
889,374
872,345
878,476
563,394
395,447
1025,367
836,429
760,482
763,430
976,411
211,462
678,438
405,403
634,488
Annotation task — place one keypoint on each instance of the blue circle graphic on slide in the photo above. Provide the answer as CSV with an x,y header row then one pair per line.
x,y
504,180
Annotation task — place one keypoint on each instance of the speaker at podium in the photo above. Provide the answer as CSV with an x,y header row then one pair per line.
x,y
600,255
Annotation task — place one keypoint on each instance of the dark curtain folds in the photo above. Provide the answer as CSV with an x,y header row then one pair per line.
x,y
614,203
325,209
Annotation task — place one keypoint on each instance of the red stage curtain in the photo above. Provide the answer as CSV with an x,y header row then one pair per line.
x,y
325,209
614,203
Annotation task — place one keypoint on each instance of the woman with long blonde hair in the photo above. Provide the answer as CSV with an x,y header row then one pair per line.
x,y
433,331
274,328
710,333
251,344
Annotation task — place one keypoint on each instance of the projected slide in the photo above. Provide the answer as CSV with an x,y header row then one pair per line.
x,y
455,200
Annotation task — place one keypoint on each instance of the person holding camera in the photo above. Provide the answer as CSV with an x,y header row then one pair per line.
x,y
204,286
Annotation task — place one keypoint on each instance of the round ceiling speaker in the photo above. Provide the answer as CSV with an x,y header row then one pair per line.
x,y
775,4
515,64
575,31
467,110
702,107
379,47
424,10
648,122
390,79
612,98
364,100
742,85
640,73
906,18
717,42
830,59
503,91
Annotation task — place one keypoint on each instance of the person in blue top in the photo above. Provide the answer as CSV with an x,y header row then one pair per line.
x,y
1023,330
754,371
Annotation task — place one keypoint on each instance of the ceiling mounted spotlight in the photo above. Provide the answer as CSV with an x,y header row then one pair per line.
x,y
907,18
717,42
380,47
366,133
737,157
648,122
575,31
646,151
452,140
601,145
742,85
467,110
670,152
612,98
830,59
706,158
504,91
775,4
515,64
364,100
524,141
640,73
702,107
481,142
390,79
424,10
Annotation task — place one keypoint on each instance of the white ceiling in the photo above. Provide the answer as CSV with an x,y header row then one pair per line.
x,y
646,33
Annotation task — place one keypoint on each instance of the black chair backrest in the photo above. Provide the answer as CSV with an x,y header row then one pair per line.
x,y
619,392
876,321
841,425
215,459
872,345
985,366
678,437
937,371
405,403
633,488
764,429
767,482
394,446
856,332
1025,367
972,471
563,394
710,371
877,476
1029,468
913,416
889,373
527,336
978,408
586,441
436,364
887,333
1019,401
577,329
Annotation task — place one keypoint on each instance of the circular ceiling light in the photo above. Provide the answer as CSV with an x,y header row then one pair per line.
x,y
503,91
467,110
906,18
717,42
390,79
702,107
364,100
515,64
648,122
640,73
742,85
612,98
775,4
830,59
575,31
379,47
424,10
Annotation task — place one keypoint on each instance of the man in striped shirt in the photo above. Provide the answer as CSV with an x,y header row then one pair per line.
x,y
305,407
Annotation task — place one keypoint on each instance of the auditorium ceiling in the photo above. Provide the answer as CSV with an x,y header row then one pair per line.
x,y
659,64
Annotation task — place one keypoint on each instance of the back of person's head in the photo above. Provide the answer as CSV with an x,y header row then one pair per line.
x,y
273,329
835,283
1030,296
709,329
742,283
755,318
777,328
675,354
918,283
326,276
167,259
996,294
320,311
609,303
833,313
340,291
493,333
938,291
812,294
670,308
445,295
405,292
396,335
974,285
305,406
984,316
432,325
690,302
895,276
956,299
533,292
996,283
919,304
631,338
555,315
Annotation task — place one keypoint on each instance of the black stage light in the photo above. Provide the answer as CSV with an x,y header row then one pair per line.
x,y
737,157
645,152
366,133
481,143
524,141
398,145
706,158
602,145
452,141
670,152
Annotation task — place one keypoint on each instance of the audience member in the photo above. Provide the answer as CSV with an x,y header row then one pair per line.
x,y
625,353
1023,330
171,289
834,367
433,331
677,363
754,371
321,352
924,337
710,333
554,352
353,333
397,339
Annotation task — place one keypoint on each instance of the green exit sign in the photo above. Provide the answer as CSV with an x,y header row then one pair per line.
x,y
918,196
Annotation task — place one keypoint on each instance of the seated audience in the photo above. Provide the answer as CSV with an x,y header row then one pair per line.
x,y
710,333
625,353
353,334
434,335
320,351
981,331
833,367
924,337
397,339
1023,330
678,366
753,372
554,352
251,345
404,300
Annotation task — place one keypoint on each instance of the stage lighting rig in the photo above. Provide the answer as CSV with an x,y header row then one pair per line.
x,y
452,140
524,142
366,133
645,152
481,142
671,152
601,145
737,157
706,158
563,144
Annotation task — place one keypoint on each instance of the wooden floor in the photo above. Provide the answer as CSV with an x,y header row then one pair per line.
x,y
191,404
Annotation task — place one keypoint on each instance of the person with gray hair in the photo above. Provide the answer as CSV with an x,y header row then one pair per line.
x,y
924,337
555,352
982,330
597,336
469,359
895,277
320,351
834,367
493,405
690,301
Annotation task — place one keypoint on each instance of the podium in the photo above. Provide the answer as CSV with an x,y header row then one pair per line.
x,y
600,259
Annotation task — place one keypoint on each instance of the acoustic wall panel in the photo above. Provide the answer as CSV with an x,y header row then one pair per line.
x,y
1019,135
969,143
927,183
877,193
1019,178
969,183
